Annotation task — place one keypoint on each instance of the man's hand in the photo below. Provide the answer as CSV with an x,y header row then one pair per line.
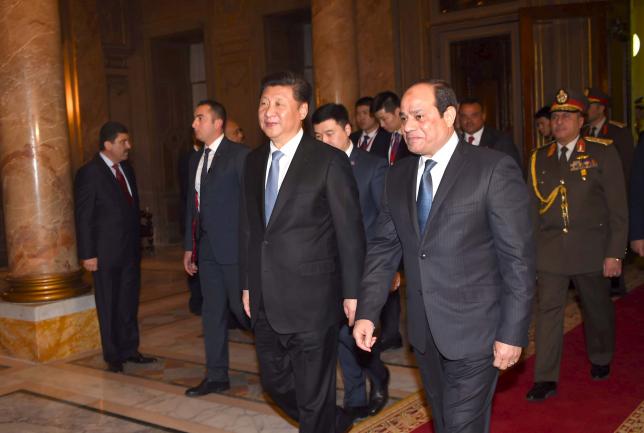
x,y
188,264
638,247
612,267
395,284
350,309
505,355
90,264
246,301
363,334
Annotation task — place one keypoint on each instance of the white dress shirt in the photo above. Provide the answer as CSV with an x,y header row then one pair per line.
x,y
349,149
569,147
288,150
213,148
441,158
477,137
110,164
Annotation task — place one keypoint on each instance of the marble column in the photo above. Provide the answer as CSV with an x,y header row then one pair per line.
x,y
334,52
34,156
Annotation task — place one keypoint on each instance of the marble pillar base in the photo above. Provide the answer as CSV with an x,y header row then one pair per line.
x,y
49,331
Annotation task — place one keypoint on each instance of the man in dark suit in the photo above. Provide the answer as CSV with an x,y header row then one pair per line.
x,y
475,132
462,225
331,126
369,137
107,232
636,202
581,237
212,237
183,170
302,254
386,108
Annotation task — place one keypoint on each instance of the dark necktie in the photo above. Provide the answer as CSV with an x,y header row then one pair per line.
x,y
425,195
470,139
204,168
365,142
121,180
270,195
563,161
395,143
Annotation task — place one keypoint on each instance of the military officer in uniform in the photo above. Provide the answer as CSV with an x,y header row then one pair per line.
x,y
610,131
582,227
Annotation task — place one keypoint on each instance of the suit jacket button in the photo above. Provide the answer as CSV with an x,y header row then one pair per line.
x,y
265,242
423,255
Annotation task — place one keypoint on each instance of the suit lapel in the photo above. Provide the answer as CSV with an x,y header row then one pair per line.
x,y
485,138
452,172
108,175
298,164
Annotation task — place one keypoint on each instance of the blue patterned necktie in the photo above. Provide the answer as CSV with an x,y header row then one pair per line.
x,y
270,195
425,195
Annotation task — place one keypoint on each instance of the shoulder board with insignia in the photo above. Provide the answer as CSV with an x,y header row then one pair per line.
x,y
604,141
542,146
618,124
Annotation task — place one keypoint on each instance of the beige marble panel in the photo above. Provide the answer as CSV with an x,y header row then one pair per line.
x,y
334,52
375,42
50,339
34,149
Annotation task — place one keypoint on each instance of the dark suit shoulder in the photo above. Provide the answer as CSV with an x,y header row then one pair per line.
x,y
355,136
233,146
368,158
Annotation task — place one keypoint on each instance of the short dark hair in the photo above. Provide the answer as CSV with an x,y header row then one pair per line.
x,y
543,112
301,88
217,108
388,101
472,101
444,95
336,112
365,100
109,131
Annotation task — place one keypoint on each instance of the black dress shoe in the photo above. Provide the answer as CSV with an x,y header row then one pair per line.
x,y
345,417
391,343
541,391
206,387
378,396
140,359
599,372
115,367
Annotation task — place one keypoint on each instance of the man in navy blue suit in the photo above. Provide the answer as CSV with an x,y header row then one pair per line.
x,y
211,240
331,125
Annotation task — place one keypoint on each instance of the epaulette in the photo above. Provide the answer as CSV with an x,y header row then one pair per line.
x,y
618,124
604,141
543,146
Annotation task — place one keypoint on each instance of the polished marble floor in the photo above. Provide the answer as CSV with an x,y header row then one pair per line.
x,y
78,395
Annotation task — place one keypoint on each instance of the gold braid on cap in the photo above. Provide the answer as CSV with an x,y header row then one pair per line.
x,y
546,203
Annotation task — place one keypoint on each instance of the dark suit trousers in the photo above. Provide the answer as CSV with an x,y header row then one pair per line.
x,y
390,317
219,284
116,291
298,373
355,365
460,391
196,299
597,311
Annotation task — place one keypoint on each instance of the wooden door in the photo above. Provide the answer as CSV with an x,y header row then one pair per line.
x,y
561,46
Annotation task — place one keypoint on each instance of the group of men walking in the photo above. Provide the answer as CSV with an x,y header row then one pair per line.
x,y
303,242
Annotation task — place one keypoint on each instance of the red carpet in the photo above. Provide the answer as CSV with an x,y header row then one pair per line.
x,y
581,405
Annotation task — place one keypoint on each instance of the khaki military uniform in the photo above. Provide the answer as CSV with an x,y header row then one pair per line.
x,y
582,219
620,137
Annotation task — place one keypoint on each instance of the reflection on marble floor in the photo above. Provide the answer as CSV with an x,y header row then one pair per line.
x,y
28,412
148,398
